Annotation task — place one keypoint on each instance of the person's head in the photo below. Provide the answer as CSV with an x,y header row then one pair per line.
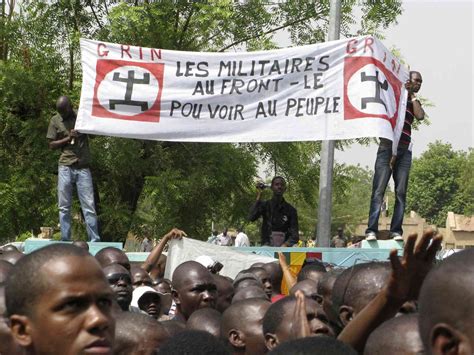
x,y
162,286
309,289
276,276
207,320
5,269
356,286
325,286
64,106
137,333
149,300
399,335
264,278
246,279
140,277
415,80
7,344
225,292
314,346
446,305
314,271
59,302
340,232
194,342
111,255
278,186
11,256
193,288
250,292
278,321
81,244
120,281
241,326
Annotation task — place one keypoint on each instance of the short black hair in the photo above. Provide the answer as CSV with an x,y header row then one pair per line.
x,y
278,177
327,280
315,266
205,319
359,284
194,342
322,345
447,295
5,270
396,335
102,257
26,283
133,329
274,316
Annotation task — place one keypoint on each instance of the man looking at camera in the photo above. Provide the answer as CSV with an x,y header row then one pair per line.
x,y
280,219
398,166
73,170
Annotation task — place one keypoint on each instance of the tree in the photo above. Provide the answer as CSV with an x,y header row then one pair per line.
x,y
161,184
441,180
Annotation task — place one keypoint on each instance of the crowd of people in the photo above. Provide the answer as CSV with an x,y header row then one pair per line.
x,y
62,300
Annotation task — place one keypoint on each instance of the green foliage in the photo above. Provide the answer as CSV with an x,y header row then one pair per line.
x,y
441,180
141,182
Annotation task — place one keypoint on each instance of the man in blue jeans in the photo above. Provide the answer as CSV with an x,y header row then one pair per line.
x,y
397,165
73,169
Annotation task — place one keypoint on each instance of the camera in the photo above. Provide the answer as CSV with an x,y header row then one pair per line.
x,y
261,186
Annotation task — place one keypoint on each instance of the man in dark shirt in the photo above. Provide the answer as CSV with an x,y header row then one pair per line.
x,y
73,169
398,166
280,219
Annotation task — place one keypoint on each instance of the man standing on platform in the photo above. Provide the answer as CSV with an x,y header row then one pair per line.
x,y
73,169
280,219
398,166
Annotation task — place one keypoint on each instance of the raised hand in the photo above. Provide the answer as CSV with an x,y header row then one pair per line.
x,y
300,326
175,233
409,272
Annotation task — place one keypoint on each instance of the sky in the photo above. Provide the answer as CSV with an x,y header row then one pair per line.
x,y
435,37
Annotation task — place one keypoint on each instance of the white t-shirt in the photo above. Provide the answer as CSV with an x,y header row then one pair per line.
x,y
241,240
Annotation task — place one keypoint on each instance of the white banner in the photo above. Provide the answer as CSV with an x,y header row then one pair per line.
x,y
343,89
189,249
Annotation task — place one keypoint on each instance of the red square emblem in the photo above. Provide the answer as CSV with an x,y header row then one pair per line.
x,y
128,90
380,94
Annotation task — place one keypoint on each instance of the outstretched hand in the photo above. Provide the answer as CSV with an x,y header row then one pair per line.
x,y
408,273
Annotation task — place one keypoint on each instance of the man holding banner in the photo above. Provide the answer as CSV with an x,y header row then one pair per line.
x,y
73,169
396,165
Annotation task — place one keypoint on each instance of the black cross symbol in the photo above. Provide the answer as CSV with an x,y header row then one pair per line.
x,y
130,80
378,85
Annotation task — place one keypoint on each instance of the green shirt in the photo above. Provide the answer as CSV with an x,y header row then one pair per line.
x,y
76,154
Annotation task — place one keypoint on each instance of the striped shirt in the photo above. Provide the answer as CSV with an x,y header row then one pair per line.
x,y
405,138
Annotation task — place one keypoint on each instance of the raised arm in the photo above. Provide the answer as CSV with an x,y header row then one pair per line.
x,y
256,209
154,256
404,285
287,275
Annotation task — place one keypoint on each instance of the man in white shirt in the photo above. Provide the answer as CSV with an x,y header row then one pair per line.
x,y
241,240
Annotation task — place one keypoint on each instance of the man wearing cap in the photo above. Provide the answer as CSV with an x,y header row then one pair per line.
x,y
150,301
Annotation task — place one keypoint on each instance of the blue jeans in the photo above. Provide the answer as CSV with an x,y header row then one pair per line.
x,y
382,175
82,178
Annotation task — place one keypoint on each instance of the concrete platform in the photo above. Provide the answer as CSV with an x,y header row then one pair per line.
x,y
343,257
